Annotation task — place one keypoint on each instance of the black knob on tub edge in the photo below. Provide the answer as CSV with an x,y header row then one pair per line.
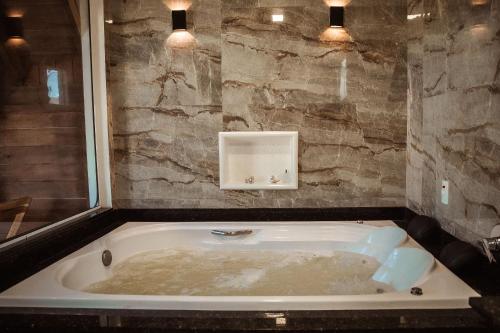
x,y
424,229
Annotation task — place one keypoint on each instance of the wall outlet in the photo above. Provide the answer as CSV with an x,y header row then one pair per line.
x,y
445,187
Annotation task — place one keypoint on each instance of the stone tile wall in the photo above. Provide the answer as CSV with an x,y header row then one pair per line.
x,y
235,70
454,113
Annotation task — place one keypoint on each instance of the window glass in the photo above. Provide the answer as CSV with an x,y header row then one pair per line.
x,y
47,152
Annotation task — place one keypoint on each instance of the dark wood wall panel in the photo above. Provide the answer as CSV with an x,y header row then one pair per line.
x,y
45,189
28,119
44,209
42,172
42,137
42,143
63,154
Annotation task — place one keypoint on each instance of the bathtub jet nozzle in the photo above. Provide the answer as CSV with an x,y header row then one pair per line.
x,y
106,258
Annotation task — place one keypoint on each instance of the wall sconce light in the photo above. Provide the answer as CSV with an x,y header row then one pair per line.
x,y
179,20
14,27
336,17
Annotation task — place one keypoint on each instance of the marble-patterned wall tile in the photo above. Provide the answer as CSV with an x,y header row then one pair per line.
x,y
460,139
415,155
239,71
339,97
165,93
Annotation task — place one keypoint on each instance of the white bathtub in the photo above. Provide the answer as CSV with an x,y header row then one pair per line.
x,y
404,264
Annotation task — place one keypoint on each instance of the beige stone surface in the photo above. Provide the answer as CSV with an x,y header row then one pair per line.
x,y
238,71
454,114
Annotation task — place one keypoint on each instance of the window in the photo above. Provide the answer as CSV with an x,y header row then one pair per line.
x,y
53,86
48,126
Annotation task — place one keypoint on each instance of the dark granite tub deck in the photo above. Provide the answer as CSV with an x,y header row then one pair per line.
x,y
27,258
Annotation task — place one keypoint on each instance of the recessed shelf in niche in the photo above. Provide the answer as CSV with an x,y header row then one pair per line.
x,y
258,160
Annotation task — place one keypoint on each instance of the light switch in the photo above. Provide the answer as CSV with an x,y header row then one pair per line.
x,y
445,187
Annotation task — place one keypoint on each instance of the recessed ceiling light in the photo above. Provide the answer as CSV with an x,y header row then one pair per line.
x,y
414,16
278,17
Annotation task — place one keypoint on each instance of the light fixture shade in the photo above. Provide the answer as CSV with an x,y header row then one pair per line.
x,y
14,27
336,16
179,20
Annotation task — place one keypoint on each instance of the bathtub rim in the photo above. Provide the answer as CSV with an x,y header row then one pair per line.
x,y
276,303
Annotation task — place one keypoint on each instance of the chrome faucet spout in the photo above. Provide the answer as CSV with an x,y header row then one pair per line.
x,y
232,232
490,245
